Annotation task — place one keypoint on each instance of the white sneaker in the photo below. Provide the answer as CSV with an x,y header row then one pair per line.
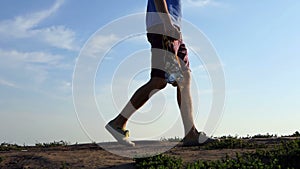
x,y
203,139
198,139
121,135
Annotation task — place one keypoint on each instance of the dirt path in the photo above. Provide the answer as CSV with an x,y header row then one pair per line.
x,y
93,156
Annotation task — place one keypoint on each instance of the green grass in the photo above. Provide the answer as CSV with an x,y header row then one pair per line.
x,y
175,139
296,134
53,144
65,165
8,147
264,136
285,154
160,161
233,143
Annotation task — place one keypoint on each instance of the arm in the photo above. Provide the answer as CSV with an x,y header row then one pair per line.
x,y
162,9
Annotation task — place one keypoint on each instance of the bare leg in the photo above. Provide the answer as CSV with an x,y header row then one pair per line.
x,y
184,101
139,98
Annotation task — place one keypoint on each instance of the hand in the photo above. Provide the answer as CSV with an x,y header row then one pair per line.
x,y
171,31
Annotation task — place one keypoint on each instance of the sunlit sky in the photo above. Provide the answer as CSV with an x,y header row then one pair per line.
x,y
257,43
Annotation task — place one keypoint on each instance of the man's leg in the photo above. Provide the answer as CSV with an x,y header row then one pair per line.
x,y
139,98
184,101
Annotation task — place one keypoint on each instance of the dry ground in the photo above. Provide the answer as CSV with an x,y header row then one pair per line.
x,y
95,156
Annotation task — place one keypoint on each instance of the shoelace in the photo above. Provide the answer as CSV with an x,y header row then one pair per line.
x,y
124,132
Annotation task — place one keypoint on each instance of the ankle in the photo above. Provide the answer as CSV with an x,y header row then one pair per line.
x,y
192,132
119,122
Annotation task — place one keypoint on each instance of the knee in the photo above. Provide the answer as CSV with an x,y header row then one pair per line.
x,y
187,74
186,80
158,83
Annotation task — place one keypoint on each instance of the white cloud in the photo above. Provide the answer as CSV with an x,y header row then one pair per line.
x,y
211,66
98,44
138,39
38,72
65,86
16,57
7,83
29,68
200,3
20,26
26,27
58,36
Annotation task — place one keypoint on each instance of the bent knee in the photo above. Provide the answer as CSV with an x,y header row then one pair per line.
x,y
158,83
186,79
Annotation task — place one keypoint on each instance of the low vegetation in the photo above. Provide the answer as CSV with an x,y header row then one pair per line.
x,y
7,146
159,161
267,152
52,144
285,154
233,143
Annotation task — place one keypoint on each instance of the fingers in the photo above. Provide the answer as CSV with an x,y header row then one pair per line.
x,y
176,33
172,31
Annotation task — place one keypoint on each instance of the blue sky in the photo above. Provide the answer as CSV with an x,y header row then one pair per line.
x,y
258,44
